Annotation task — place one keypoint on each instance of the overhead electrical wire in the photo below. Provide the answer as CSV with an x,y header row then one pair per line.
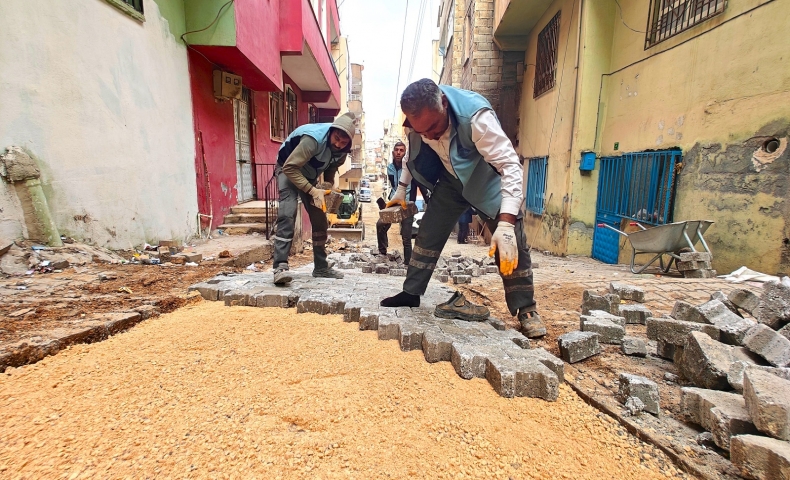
x,y
417,36
219,12
400,62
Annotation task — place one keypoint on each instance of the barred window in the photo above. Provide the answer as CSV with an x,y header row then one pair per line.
x,y
667,18
291,120
276,115
536,184
546,60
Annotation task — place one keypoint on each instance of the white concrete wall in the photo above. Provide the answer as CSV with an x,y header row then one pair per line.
x,y
103,103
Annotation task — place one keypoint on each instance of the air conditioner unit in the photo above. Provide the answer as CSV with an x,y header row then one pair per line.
x,y
226,85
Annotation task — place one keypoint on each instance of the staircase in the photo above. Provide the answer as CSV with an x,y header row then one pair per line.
x,y
251,217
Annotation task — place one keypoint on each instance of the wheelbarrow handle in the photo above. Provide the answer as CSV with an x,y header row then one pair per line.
x,y
637,224
612,228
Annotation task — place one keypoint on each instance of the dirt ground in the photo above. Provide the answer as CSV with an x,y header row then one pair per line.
x,y
215,392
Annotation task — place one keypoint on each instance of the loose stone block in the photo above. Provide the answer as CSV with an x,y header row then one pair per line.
x,y
733,327
333,200
634,405
692,265
462,279
696,257
774,307
723,414
635,314
760,458
601,315
367,269
704,273
443,278
382,269
398,272
706,362
346,265
722,297
497,323
767,343
634,347
642,388
686,312
768,401
492,269
676,332
735,374
627,292
784,331
577,346
396,214
608,331
207,291
512,377
609,303
744,300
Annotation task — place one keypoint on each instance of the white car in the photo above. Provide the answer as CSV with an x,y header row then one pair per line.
x,y
365,194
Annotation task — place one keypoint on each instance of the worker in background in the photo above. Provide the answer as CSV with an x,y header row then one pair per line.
x,y
393,176
460,152
308,152
463,226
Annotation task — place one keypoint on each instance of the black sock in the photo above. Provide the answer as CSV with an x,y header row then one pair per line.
x,y
402,299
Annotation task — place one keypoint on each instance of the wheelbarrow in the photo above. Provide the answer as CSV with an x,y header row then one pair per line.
x,y
663,240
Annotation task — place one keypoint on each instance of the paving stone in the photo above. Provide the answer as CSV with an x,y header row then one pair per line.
x,y
577,346
410,336
696,257
744,300
642,388
668,350
470,361
522,342
496,323
314,303
735,374
462,279
733,327
368,320
351,312
627,292
635,314
443,278
634,405
760,458
367,269
398,272
396,214
722,297
346,265
687,312
361,265
692,265
437,346
147,311
608,331
382,269
634,347
704,273
706,362
769,344
272,300
601,315
784,331
492,269
556,365
768,401
676,332
207,291
528,377
608,303
723,414
774,307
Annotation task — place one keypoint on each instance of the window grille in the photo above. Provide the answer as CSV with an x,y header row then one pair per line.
x,y
667,18
546,60
135,4
312,113
536,184
291,120
276,115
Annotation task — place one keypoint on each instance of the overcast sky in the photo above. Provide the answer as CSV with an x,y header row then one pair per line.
x,y
374,29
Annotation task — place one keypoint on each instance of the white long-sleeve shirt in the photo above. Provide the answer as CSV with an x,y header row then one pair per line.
x,y
496,149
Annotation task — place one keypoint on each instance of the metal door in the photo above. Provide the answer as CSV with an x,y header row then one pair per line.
x,y
241,122
635,186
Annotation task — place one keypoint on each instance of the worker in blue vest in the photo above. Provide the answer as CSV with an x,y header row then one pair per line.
x,y
308,152
458,150
393,176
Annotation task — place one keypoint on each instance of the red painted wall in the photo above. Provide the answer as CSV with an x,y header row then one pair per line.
x,y
214,122
258,35
312,36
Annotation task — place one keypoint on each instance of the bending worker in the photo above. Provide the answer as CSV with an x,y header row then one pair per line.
x,y
393,176
309,151
460,152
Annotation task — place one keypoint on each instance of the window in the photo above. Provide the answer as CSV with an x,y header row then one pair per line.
x,y
546,60
133,8
135,4
312,113
667,18
291,120
276,115
536,184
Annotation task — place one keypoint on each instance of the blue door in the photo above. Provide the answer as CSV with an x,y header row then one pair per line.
x,y
634,186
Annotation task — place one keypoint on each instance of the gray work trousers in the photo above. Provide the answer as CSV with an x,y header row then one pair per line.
x,y
405,232
443,211
286,216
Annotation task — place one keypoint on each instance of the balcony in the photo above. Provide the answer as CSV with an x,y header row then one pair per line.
x,y
514,21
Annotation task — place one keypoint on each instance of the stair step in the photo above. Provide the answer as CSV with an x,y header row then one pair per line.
x,y
253,210
250,217
242,228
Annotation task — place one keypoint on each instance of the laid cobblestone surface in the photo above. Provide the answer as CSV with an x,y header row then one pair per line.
x,y
476,349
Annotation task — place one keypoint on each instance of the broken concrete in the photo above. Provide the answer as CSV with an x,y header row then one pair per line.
x,y
767,343
635,314
760,458
577,346
609,303
627,292
774,307
644,389
723,414
768,401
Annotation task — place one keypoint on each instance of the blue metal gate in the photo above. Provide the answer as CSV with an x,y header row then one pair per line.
x,y
634,186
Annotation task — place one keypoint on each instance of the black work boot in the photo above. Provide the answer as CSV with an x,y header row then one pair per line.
x,y
282,276
327,273
531,325
459,307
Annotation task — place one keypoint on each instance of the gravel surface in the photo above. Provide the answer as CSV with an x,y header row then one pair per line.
x,y
215,392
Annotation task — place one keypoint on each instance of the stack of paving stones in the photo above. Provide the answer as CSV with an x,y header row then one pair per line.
x,y
696,265
475,349
455,269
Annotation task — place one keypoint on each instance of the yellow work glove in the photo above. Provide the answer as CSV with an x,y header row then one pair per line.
x,y
504,240
399,198
318,198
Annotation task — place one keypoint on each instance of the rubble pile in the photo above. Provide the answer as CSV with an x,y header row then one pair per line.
x,y
455,268
733,356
